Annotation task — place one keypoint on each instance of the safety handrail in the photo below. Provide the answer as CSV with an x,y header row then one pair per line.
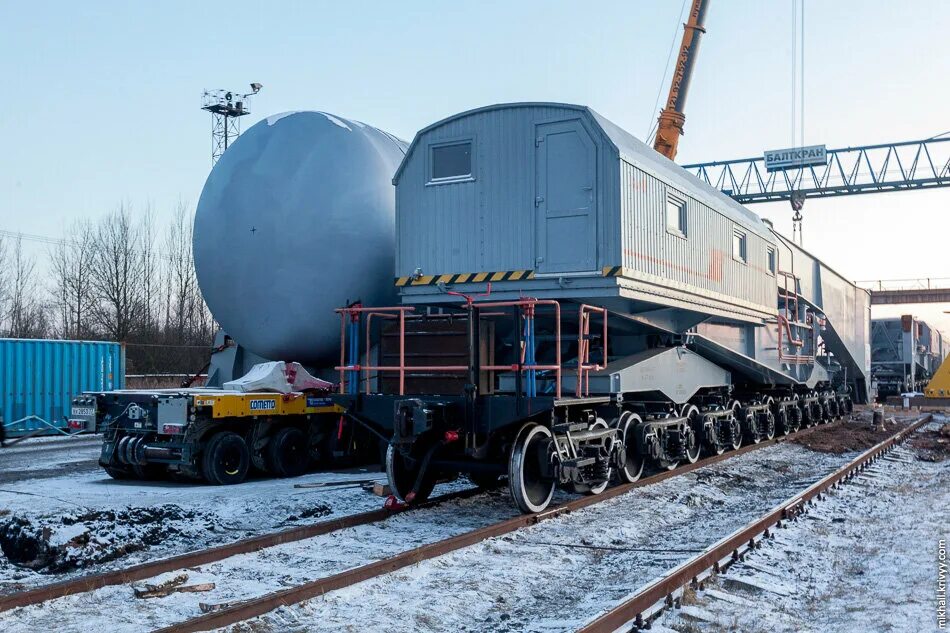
x,y
584,367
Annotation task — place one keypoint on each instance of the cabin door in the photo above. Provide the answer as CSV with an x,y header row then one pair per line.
x,y
565,199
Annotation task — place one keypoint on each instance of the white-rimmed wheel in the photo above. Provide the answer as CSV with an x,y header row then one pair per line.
x,y
586,489
692,434
735,425
530,459
626,426
770,419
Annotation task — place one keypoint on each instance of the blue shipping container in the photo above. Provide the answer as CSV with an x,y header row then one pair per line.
x,y
38,379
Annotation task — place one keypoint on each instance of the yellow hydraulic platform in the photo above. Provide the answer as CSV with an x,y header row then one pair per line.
x,y
243,405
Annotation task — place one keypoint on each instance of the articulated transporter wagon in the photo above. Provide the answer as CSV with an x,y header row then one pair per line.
x,y
560,304
574,305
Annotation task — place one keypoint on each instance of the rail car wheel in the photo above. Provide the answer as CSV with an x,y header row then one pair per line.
x,y
834,407
287,453
633,464
403,473
769,425
751,427
793,417
226,459
817,410
693,434
782,420
530,458
735,427
586,489
714,440
805,410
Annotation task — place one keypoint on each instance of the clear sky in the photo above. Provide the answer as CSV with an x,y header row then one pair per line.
x,y
99,101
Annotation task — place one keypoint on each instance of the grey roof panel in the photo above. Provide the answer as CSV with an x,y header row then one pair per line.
x,y
633,151
641,155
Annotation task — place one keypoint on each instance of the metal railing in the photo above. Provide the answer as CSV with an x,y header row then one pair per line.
x,y
353,372
925,283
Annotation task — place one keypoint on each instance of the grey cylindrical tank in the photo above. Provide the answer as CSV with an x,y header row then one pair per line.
x,y
297,218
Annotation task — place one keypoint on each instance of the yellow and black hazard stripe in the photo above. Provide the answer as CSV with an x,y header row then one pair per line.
x,y
612,271
465,278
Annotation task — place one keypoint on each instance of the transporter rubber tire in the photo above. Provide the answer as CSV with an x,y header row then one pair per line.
x,y
529,490
402,477
118,473
149,472
225,459
287,453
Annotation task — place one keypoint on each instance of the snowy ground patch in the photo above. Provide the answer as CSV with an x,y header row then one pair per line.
x,y
557,574
61,515
865,559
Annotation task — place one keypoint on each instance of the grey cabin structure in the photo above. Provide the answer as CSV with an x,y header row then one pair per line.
x,y
557,201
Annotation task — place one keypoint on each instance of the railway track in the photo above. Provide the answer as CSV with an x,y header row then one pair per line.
x,y
643,607
232,614
143,571
236,612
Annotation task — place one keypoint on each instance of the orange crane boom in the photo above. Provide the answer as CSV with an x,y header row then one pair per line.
x,y
672,117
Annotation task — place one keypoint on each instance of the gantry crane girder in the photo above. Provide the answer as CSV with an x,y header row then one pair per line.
x,y
907,165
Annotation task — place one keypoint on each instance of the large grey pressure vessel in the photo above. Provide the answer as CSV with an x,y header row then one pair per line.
x,y
296,219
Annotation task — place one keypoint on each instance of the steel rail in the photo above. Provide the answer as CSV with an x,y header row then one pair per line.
x,y
264,604
143,571
731,547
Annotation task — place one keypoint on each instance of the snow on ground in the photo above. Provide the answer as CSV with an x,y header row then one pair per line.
x,y
555,575
115,609
53,493
48,456
550,577
864,560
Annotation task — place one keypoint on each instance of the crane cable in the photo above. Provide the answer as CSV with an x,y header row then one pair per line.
x,y
654,121
798,85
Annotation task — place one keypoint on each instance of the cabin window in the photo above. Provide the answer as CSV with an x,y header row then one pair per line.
x,y
739,246
675,215
450,162
770,259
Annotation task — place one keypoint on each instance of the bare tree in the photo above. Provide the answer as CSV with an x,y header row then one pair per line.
x,y
150,271
116,275
4,283
180,269
72,268
25,315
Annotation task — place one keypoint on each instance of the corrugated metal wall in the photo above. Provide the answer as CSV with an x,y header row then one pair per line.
x,y
703,260
40,377
489,224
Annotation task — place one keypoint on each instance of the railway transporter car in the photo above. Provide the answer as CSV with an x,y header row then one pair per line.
x,y
905,354
574,305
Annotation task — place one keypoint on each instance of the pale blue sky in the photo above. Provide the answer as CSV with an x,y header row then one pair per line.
x,y
99,100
